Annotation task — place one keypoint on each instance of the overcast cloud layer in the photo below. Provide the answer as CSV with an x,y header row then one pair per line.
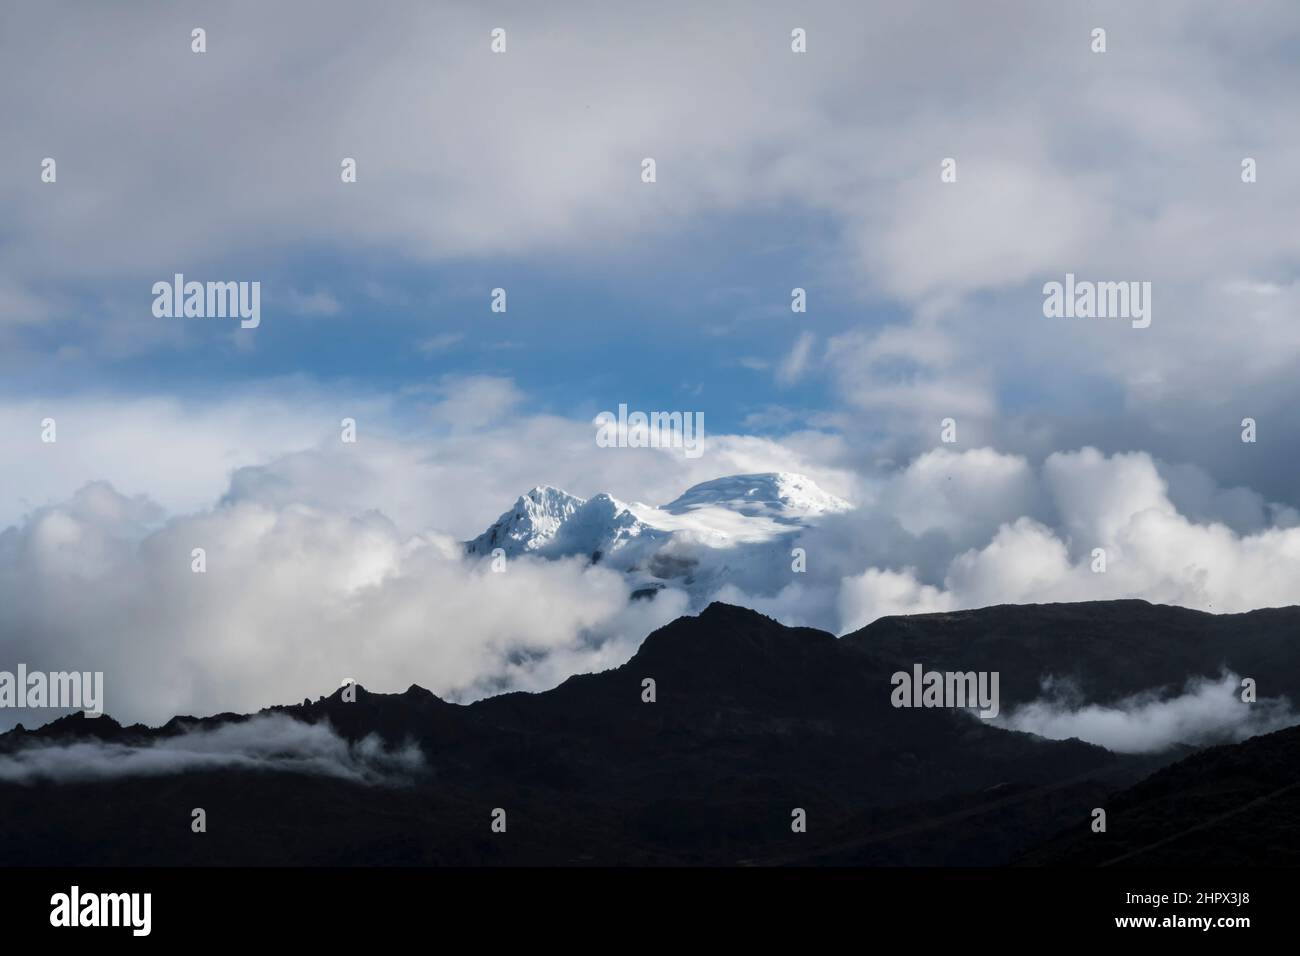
x,y
1122,166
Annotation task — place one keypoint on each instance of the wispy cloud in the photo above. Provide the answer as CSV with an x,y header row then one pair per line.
x,y
270,742
440,343
1206,712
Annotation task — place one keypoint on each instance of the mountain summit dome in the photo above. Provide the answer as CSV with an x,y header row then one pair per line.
x,y
735,529
781,495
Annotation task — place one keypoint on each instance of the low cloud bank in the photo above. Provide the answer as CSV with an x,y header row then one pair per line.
x,y
1206,712
273,742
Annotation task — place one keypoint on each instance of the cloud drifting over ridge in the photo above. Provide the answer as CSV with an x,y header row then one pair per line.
x,y
1206,712
294,600
266,742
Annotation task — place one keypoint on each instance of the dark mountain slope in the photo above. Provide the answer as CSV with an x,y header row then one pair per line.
x,y
752,719
1111,649
1235,805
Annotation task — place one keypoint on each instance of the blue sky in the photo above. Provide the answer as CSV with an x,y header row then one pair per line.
x,y
683,321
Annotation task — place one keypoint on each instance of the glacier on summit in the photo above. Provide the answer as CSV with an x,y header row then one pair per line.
x,y
736,530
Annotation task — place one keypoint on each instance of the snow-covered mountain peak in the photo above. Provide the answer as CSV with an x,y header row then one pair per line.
x,y
732,530
604,526
531,524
